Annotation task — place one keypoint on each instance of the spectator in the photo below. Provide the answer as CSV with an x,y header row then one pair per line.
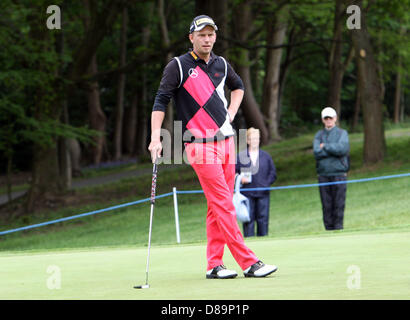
x,y
259,172
331,149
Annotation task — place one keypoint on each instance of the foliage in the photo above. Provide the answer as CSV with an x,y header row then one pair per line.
x,y
34,72
28,82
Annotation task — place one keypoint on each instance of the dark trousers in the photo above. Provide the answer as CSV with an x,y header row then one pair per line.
x,y
333,202
259,213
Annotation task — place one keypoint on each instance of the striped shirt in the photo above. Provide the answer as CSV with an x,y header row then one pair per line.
x,y
197,88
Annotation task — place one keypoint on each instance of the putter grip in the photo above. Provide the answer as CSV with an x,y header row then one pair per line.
x,y
154,183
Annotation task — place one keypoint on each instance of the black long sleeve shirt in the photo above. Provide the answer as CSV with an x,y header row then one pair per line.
x,y
197,88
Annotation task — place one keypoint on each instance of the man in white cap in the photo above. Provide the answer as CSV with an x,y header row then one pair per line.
x,y
331,151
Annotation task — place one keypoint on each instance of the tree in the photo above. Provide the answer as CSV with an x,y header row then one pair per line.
x,y
169,113
250,107
49,79
96,115
388,22
337,67
276,32
397,91
52,91
218,10
45,110
143,102
371,92
10,115
119,108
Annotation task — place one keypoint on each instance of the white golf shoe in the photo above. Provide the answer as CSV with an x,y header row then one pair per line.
x,y
220,272
259,270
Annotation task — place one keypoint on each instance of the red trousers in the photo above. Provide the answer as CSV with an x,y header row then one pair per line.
x,y
214,164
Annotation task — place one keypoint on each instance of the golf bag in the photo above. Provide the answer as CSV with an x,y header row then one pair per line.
x,y
241,203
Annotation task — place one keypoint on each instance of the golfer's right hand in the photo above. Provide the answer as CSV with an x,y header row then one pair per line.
x,y
155,148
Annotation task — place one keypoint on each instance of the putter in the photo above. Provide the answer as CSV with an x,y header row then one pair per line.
x,y
153,188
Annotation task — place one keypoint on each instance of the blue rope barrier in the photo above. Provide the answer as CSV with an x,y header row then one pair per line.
x,y
327,183
190,191
197,191
83,214
308,185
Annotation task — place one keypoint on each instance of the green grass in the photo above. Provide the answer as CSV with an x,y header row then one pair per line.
x,y
20,187
314,267
110,248
375,205
369,205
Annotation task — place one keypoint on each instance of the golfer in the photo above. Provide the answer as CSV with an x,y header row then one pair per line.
x,y
196,80
330,148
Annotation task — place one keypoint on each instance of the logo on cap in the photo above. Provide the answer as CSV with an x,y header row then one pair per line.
x,y
200,22
203,20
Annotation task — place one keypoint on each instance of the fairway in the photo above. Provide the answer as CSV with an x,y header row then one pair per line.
x,y
338,265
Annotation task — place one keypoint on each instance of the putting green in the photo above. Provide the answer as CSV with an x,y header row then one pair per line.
x,y
337,265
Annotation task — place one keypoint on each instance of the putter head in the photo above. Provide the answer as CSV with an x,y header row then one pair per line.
x,y
144,286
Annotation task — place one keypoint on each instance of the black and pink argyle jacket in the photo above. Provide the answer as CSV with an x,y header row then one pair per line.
x,y
198,91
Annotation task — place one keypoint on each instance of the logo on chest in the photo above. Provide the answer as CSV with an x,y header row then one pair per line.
x,y
193,73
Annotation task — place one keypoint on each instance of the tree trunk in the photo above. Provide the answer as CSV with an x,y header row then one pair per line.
x,y
218,11
276,33
46,107
119,109
45,175
402,106
356,114
130,125
397,92
250,108
9,181
96,115
284,69
371,95
142,123
336,69
65,164
143,106
169,114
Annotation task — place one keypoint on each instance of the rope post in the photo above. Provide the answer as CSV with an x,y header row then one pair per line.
x,y
174,191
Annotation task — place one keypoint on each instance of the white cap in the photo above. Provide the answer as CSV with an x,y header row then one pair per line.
x,y
328,112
